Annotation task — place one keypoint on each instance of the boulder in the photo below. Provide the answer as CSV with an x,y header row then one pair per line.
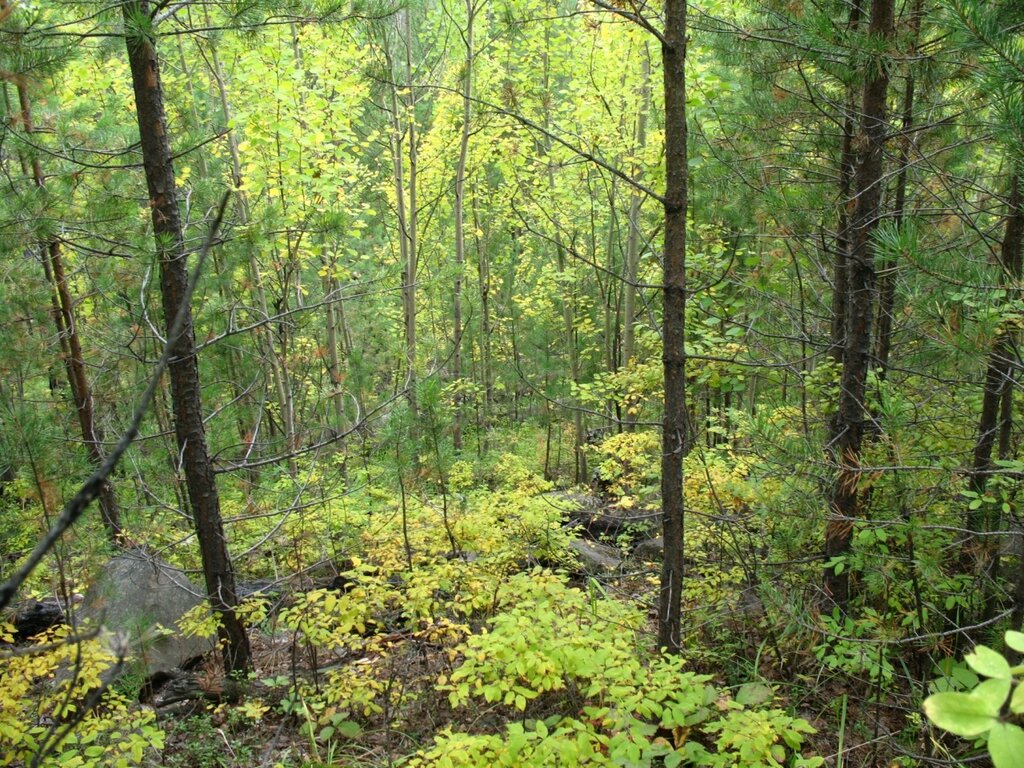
x,y
650,550
35,616
134,593
596,558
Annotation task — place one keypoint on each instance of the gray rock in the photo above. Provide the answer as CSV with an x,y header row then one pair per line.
x,y
596,558
133,594
650,549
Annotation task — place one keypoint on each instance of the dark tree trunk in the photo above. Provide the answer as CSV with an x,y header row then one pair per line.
x,y
980,554
63,313
675,424
1000,362
849,424
847,162
1005,448
184,369
887,276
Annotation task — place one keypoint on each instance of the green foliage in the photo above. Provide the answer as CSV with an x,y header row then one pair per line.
x,y
629,464
987,711
552,649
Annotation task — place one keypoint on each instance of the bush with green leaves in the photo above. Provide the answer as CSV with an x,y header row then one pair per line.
x,y
989,713
569,668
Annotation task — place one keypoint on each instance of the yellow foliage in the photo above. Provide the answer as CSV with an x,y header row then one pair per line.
x,y
43,687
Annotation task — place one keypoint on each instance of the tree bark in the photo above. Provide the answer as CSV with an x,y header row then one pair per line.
x,y
980,554
676,436
1000,362
484,279
887,277
848,427
847,168
184,370
410,220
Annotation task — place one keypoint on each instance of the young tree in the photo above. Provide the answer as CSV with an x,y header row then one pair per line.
x,y
675,426
140,39
63,313
458,214
848,426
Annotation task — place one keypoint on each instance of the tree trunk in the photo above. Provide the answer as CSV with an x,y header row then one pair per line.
x,y
184,369
580,473
1000,362
265,339
332,320
980,554
676,436
887,275
848,427
484,278
633,234
231,353
411,219
459,213
74,360
847,168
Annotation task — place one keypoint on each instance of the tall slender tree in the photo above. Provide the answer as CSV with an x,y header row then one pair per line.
x,y
458,214
676,438
848,427
63,313
157,158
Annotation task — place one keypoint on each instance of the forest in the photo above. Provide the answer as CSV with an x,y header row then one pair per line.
x,y
511,382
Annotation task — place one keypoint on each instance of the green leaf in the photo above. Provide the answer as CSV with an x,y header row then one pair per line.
x,y
989,663
349,729
1015,640
1017,700
959,713
752,694
1006,745
993,693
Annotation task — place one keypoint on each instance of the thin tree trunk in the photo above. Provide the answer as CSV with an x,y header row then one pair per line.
x,y
568,300
484,278
611,300
1005,448
265,339
997,375
887,274
184,369
403,130
74,360
981,553
848,427
676,437
633,234
230,352
847,161
333,322
411,232
459,213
